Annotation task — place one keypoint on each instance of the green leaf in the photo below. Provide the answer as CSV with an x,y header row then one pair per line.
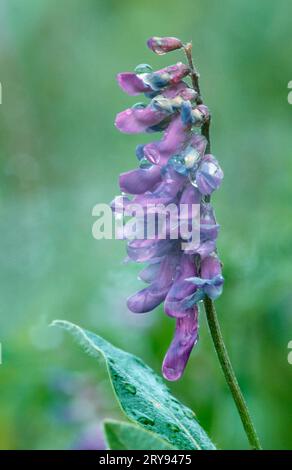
x,y
142,394
125,436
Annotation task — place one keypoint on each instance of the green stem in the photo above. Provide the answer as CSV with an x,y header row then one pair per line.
x,y
229,374
211,314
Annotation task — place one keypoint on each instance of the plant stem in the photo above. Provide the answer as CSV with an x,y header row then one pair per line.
x,y
229,374
211,314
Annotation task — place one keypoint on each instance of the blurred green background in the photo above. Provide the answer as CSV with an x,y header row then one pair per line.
x,y
60,155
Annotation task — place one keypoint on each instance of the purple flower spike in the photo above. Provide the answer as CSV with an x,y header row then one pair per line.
x,y
185,337
175,175
163,45
209,175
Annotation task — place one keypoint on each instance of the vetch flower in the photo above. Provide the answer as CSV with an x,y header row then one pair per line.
x,y
142,118
136,83
176,170
208,176
209,283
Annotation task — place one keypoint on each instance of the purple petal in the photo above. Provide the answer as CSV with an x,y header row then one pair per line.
x,y
149,274
190,195
142,251
211,269
168,76
172,143
209,227
165,193
206,248
186,335
189,212
209,175
180,89
140,180
150,297
175,72
135,120
199,142
132,84
174,302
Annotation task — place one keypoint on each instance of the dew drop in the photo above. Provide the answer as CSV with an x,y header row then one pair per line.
x,y
139,106
189,414
174,400
192,178
143,68
130,388
191,157
146,420
173,427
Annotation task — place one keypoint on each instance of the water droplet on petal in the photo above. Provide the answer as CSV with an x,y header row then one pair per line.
x,y
192,178
139,106
144,163
143,68
191,157
178,164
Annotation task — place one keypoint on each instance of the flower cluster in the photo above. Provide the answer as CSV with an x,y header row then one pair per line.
x,y
177,169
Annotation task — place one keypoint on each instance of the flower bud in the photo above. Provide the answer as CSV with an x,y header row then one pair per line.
x,y
163,45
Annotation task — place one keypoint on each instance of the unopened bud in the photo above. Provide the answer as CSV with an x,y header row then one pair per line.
x,y
163,45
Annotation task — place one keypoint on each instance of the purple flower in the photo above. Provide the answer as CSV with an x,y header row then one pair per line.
x,y
210,282
132,83
142,118
174,170
209,175
185,337
136,83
